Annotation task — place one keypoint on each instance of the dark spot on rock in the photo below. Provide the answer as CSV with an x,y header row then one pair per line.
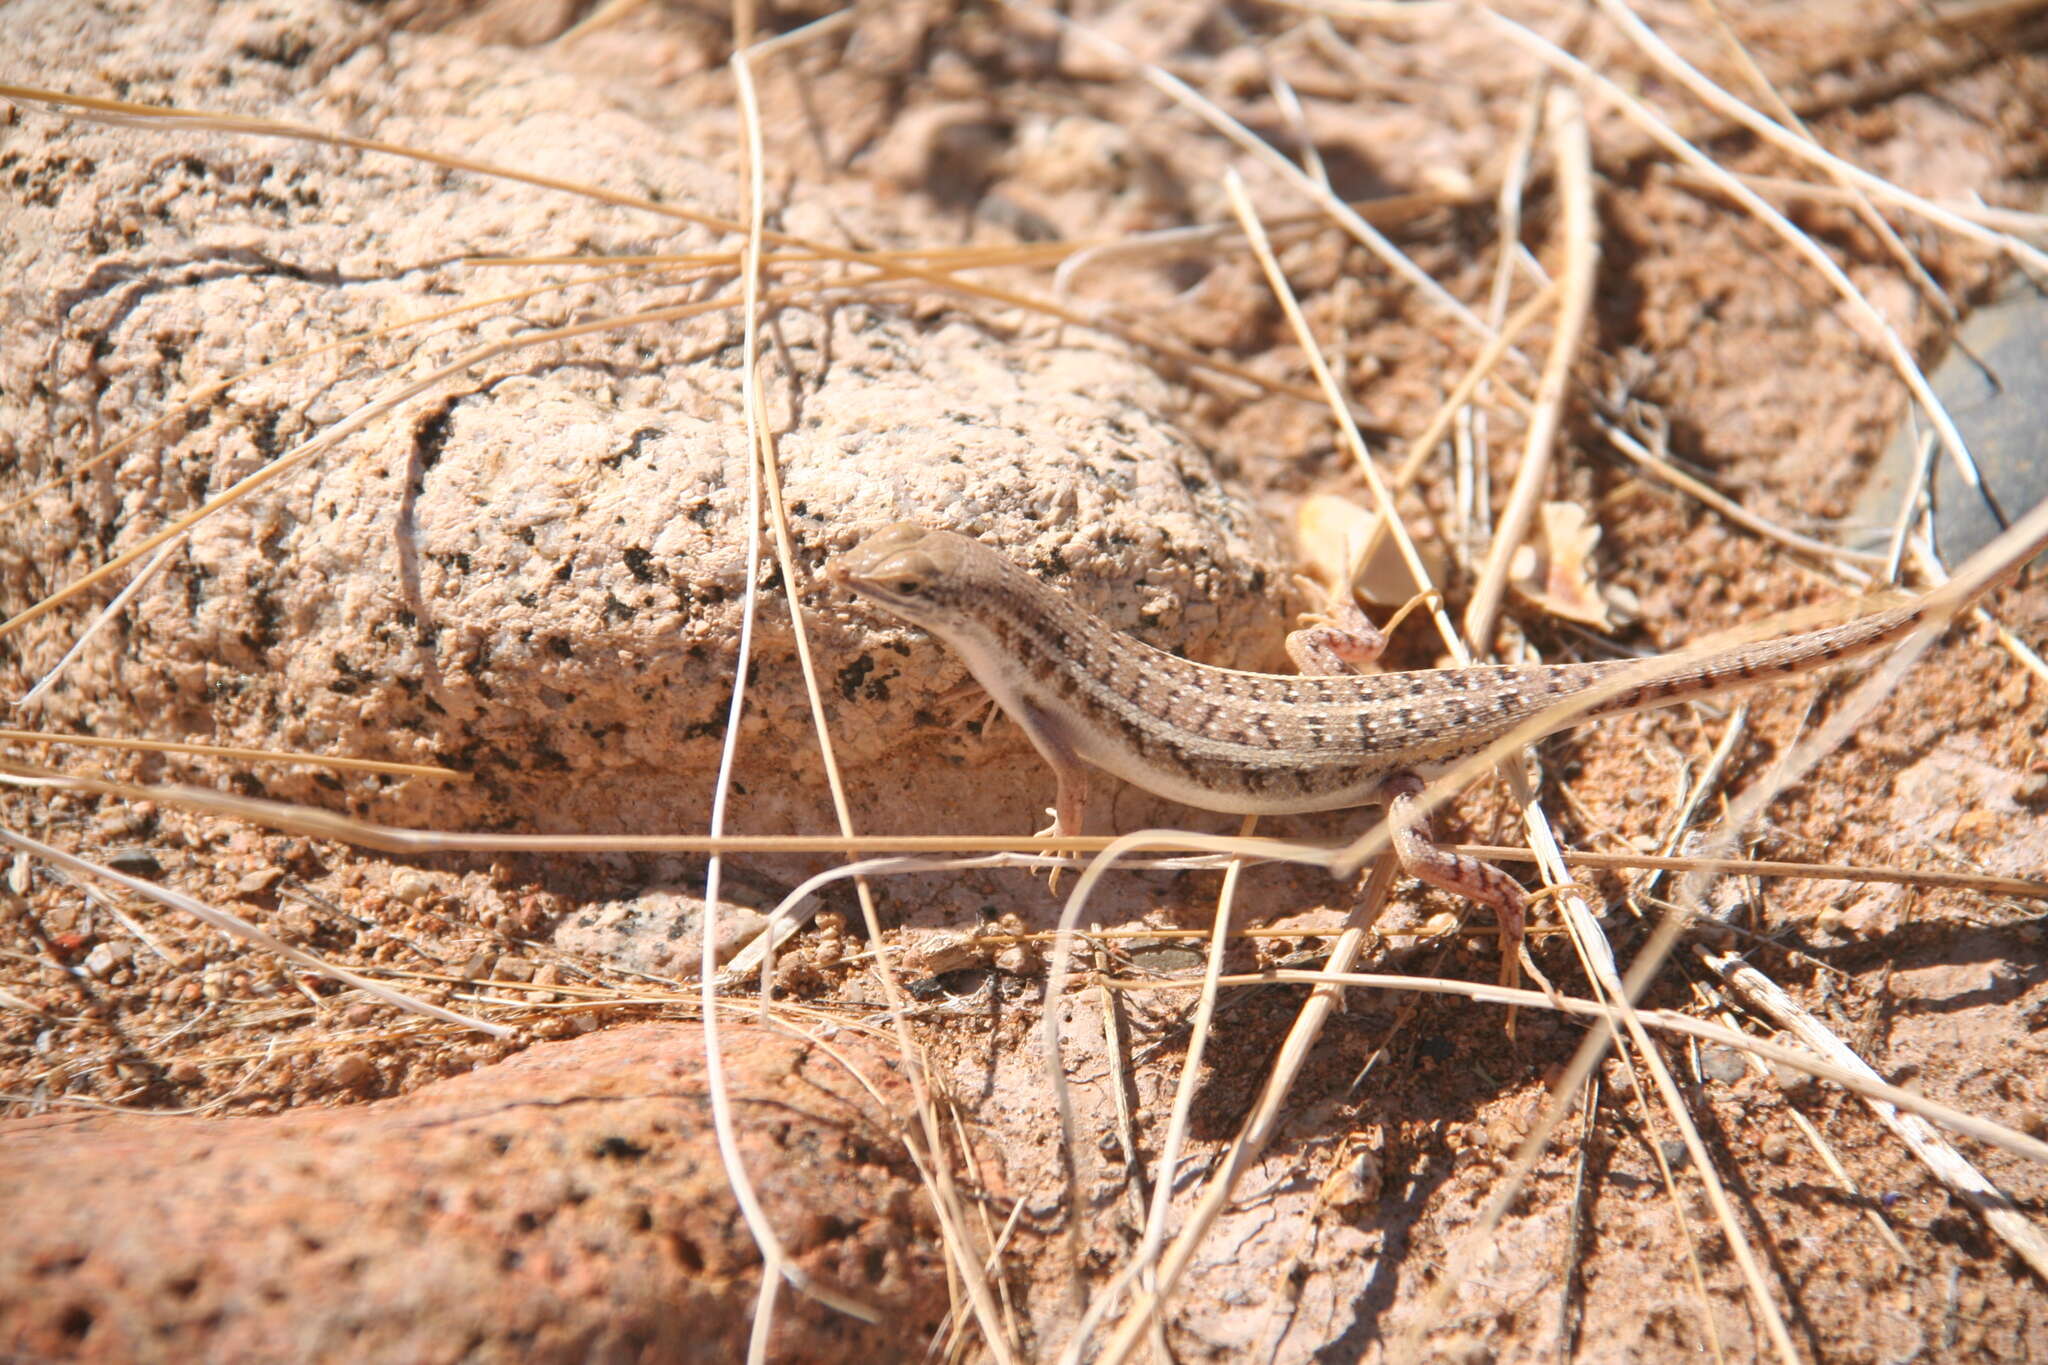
x,y
430,436
633,447
687,1253
855,676
288,50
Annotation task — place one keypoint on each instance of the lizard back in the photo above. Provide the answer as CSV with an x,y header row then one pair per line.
x,y
1228,740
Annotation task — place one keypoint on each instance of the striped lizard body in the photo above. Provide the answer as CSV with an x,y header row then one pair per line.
x,y
1263,743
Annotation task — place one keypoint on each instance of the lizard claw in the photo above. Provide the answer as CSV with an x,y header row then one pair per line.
x,y
1051,831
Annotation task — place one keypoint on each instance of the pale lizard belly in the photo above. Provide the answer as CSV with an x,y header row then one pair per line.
x,y
1212,773
1247,744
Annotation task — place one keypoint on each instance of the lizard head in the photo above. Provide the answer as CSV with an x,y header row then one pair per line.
x,y
909,569
980,604
955,587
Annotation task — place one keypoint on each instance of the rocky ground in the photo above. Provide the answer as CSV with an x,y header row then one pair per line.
x,y
530,576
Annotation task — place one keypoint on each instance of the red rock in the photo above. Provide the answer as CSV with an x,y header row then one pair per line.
x,y
567,1204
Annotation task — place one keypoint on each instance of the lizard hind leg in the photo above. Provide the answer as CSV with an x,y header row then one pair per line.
x,y
1341,639
1423,858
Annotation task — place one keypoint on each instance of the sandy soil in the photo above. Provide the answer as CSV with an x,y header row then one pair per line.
x,y
1705,328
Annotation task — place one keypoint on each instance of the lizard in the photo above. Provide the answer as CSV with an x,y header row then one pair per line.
x,y
1240,742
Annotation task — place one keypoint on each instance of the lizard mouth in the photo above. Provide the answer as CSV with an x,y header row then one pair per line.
x,y
843,575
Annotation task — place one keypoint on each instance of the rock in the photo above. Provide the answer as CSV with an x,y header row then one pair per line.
x,y
659,932
259,882
411,887
533,572
137,862
106,958
565,1205
1990,380
350,1070
1355,1182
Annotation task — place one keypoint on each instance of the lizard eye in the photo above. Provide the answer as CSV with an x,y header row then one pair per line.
x,y
905,587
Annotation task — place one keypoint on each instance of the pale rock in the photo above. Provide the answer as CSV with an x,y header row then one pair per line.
x,y
533,573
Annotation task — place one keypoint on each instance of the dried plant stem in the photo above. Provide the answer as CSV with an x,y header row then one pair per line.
x,y
1998,1210
170,746
776,1263
1566,121
236,927
1870,323
1260,1124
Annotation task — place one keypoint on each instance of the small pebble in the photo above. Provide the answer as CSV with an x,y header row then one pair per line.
x,y
297,922
136,862
116,824
1018,959
1776,1147
1464,1350
1675,1153
103,960
351,1070
1791,1079
1355,1182
410,887
1723,1064
258,882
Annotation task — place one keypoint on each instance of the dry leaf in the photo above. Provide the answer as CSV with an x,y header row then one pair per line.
x,y
1340,542
1559,576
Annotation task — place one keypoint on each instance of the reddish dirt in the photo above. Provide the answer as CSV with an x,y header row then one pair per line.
x,y
1704,320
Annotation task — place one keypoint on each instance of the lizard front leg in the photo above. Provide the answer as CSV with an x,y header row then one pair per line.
x,y
1338,639
1069,809
1069,773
